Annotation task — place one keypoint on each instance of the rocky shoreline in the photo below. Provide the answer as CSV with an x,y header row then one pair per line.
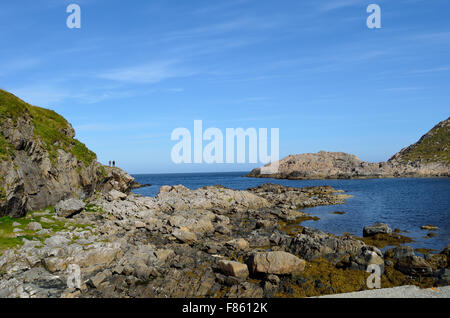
x,y
209,242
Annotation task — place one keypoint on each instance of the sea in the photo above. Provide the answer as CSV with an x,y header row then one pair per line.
x,y
403,203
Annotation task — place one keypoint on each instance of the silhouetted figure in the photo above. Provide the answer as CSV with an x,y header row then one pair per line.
x,y
110,163
114,163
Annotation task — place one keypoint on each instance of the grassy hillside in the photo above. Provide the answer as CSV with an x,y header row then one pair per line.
x,y
432,147
49,127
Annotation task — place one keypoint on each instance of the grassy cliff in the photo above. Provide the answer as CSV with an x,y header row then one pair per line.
x,y
50,128
434,146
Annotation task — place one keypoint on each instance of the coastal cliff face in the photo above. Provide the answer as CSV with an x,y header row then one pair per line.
x,y
429,157
42,163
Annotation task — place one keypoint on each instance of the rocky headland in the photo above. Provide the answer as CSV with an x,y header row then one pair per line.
x,y
41,162
70,227
428,157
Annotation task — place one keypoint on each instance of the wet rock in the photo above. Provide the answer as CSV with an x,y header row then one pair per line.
x,y
414,265
378,228
429,227
278,262
312,243
367,256
400,252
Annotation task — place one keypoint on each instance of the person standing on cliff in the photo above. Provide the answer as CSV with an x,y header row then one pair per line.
x,y
114,163
110,163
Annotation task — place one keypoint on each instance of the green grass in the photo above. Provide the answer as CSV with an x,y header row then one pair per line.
x,y
10,240
432,148
94,208
11,106
49,127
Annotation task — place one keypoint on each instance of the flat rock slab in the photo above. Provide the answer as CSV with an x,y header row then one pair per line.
x,y
69,207
276,263
397,292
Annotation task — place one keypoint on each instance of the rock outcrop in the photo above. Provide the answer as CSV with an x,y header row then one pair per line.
x,y
41,163
429,157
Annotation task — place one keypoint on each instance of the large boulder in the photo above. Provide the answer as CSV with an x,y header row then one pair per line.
x,y
377,228
414,265
69,207
313,243
277,262
232,268
400,252
115,195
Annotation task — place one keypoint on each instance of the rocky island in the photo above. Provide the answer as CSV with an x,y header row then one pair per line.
x,y
70,227
428,157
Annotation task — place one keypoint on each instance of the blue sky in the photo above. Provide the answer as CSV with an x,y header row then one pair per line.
x,y
136,70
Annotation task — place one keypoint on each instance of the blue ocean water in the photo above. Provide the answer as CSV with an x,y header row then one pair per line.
x,y
404,203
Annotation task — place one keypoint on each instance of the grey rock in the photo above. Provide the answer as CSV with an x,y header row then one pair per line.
x,y
57,240
400,252
278,262
377,228
34,226
185,236
68,208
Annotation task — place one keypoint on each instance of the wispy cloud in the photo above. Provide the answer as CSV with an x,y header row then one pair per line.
x,y
149,73
19,64
403,89
237,25
41,94
431,70
339,4
432,36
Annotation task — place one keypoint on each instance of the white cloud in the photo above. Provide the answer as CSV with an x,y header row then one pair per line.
x,y
147,73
